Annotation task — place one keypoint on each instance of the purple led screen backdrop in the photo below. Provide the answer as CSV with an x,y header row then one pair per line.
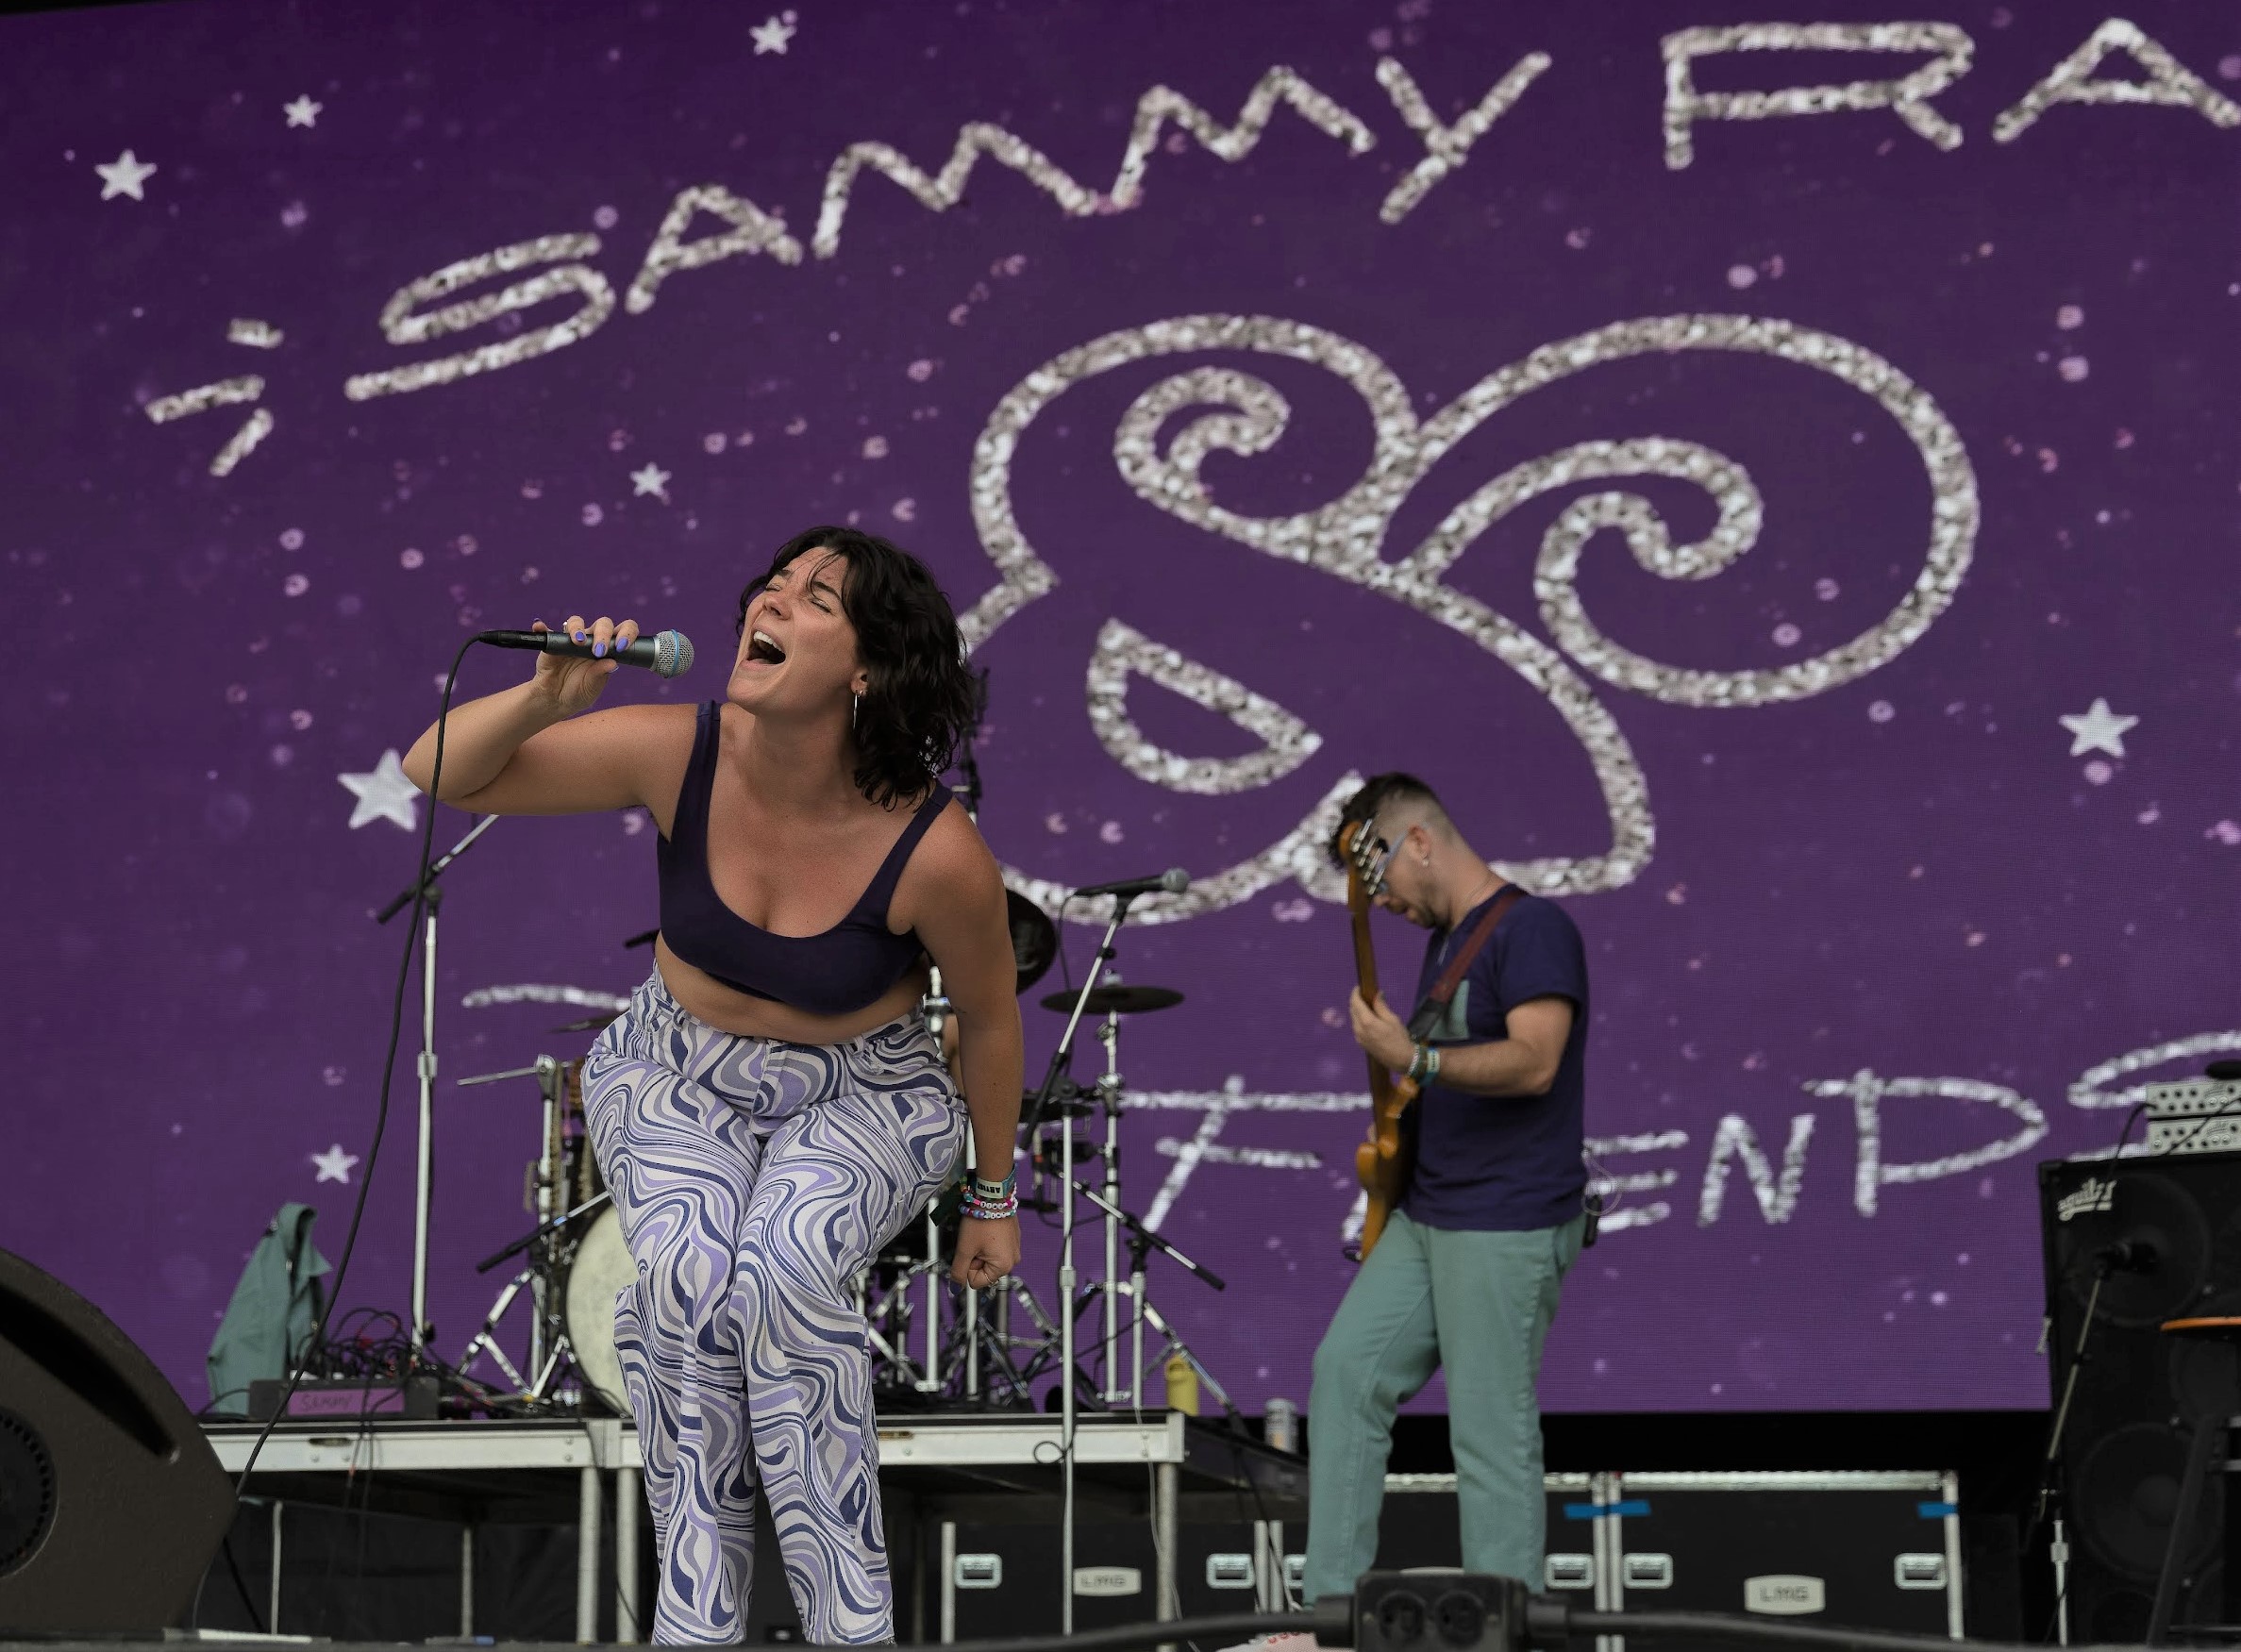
x,y
1795,526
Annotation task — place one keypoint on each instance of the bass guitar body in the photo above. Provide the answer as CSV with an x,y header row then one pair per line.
x,y
1383,1161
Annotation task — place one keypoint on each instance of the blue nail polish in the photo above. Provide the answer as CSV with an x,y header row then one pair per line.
x,y
575,636
599,651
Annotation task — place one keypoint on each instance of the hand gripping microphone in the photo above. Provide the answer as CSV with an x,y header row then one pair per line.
x,y
1171,881
666,653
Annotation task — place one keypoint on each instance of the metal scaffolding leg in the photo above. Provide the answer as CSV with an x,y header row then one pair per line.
x,y
467,1581
587,1555
627,1500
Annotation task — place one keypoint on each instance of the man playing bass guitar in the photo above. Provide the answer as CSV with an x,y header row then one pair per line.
x,y
1466,1272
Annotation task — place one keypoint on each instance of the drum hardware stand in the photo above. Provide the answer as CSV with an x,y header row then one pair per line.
x,y
988,1341
551,1352
431,897
549,1349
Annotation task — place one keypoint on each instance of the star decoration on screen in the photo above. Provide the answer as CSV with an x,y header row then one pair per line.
x,y
303,112
126,175
384,793
335,1165
651,479
772,35
2099,730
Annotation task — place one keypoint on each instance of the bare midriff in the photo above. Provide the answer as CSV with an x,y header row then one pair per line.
x,y
735,1011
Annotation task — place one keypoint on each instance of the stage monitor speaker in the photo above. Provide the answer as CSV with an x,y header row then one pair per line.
x,y
2167,1231
112,1502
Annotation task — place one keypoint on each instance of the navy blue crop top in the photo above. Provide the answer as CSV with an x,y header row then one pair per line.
x,y
845,969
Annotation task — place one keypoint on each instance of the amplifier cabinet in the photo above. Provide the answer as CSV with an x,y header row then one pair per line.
x,y
1420,1528
1001,1578
1863,1549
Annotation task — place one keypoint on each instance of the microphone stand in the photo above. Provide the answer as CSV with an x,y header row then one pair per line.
x,y
1142,1242
424,1181
1060,1059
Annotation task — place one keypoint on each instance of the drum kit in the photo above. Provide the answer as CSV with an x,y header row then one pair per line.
x,y
933,1344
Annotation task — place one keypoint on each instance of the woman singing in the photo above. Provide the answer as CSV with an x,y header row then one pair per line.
x,y
771,1109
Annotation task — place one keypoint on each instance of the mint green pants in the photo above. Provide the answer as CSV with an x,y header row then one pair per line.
x,y
1480,1305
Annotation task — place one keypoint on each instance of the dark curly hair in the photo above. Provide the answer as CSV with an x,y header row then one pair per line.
x,y
922,699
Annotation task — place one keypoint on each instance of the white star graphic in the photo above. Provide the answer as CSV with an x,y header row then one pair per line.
x,y
123,176
303,112
773,36
334,1164
384,794
2099,730
652,479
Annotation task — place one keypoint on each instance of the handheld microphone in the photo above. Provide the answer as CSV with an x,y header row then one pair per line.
x,y
665,654
1171,881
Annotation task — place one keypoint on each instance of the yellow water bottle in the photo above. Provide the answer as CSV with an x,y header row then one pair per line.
x,y
1182,1385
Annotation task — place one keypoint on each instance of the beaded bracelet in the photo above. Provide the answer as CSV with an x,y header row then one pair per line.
x,y
984,1210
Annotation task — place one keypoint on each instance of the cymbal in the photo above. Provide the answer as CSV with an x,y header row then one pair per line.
x,y
1034,939
1126,1000
590,1023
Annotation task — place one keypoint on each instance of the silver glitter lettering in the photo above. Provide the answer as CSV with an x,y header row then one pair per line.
x,y
942,191
1867,1092
1446,147
2169,83
1122,652
224,393
401,326
2090,1088
244,442
1906,97
1234,142
1343,538
1617,1215
753,230
203,397
1735,1138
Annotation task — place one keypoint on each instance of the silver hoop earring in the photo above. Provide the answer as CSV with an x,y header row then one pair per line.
x,y
855,704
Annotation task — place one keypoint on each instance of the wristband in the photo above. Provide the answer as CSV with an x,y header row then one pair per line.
x,y
1417,1060
995,1191
1432,1065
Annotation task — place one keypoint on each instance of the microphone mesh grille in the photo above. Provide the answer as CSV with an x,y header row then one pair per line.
x,y
675,654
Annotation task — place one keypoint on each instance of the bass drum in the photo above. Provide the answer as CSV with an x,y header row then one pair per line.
x,y
599,1272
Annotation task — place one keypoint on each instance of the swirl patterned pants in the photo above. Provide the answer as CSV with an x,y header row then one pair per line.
x,y
755,1180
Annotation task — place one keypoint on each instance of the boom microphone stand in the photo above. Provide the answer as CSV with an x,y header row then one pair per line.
x,y
1142,1243
424,1181
1060,1059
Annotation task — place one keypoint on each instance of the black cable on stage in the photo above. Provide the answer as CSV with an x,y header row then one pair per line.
x,y
396,1026
1549,1622
1126,1636
1553,1624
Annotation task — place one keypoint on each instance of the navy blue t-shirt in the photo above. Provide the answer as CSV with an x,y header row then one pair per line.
x,y
1506,1164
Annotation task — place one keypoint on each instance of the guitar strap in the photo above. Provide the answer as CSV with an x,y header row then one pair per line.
x,y
1434,1007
